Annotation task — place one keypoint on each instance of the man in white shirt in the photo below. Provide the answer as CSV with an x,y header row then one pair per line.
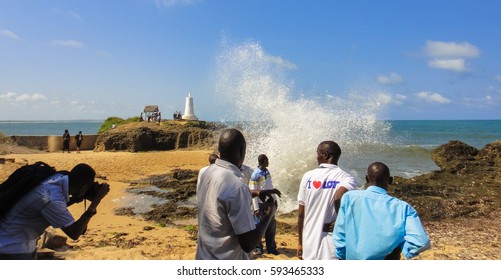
x,y
226,228
212,160
319,198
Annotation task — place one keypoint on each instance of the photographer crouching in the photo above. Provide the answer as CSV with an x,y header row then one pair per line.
x,y
47,205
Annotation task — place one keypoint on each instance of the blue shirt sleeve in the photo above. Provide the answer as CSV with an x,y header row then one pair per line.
x,y
339,234
416,239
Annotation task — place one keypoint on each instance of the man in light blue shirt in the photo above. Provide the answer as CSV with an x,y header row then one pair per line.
x,y
372,225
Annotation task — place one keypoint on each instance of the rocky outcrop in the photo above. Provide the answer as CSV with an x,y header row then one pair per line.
x,y
140,137
467,185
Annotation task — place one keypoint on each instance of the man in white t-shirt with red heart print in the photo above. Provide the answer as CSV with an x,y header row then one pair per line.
x,y
319,198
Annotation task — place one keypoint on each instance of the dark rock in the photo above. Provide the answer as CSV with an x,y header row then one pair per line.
x,y
140,137
453,156
468,184
491,154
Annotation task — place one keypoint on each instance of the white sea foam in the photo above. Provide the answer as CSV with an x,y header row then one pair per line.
x,y
287,126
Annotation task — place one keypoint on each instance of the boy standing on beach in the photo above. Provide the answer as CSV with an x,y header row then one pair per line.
x,y
261,180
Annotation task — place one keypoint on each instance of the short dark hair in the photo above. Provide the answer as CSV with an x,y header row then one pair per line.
x,y
82,174
261,158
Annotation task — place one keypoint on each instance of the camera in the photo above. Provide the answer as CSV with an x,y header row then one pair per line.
x,y
92,191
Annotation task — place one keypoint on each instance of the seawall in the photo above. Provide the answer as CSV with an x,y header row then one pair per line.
x,y
54,143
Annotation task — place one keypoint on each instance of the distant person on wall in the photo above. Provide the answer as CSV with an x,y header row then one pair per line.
x,y
78,140
66,141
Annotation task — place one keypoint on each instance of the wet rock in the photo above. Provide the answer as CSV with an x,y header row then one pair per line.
x,y
491,154
468,184
454,155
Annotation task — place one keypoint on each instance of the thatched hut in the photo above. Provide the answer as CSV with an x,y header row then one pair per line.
x,y
151,112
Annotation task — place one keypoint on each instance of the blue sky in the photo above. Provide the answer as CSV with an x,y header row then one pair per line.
x,y
64,60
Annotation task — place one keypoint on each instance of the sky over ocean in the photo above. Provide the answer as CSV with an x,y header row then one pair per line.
x,y
426,59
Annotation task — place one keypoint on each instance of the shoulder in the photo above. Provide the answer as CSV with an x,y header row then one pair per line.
x,y
256,174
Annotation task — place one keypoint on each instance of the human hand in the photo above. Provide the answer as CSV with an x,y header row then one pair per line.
x,y
101,191
264,194
270,206
300,252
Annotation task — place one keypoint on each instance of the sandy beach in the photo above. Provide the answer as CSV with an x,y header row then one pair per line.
x,y
114,237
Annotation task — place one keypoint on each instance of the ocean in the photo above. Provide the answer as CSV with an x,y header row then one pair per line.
x,y
45,128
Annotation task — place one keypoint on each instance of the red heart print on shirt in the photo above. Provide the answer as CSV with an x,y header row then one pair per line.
x,y
317,184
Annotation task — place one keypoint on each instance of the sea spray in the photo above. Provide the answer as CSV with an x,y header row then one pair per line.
x,y
287,126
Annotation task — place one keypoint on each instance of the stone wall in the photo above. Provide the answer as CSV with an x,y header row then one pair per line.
x,y
54,143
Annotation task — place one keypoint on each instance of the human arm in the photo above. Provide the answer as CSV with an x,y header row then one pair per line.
x,y
248,240
337,197
79,227
339,234
300,225
253,187
416,238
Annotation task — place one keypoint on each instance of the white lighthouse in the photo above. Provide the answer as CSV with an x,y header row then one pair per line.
x,y
189,112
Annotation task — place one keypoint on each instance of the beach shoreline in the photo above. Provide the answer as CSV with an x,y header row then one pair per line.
x,y
121,237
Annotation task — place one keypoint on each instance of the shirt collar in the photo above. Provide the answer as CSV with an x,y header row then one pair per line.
x,y
327,165
228,165
377,189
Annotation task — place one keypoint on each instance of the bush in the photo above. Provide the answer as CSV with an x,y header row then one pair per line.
x,y
109,122
200,124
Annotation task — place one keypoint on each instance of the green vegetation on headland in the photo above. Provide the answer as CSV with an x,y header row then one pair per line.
x,y
110,121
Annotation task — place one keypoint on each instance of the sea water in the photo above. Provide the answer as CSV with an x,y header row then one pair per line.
x,y
287,125
49,127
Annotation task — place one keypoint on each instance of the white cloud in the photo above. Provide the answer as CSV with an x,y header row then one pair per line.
x,y
450,55
8,95
388,99
398,99
38,96
450,49
8,34
457,65
23,97
392,78
68,44
14,97
480,102
432,97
